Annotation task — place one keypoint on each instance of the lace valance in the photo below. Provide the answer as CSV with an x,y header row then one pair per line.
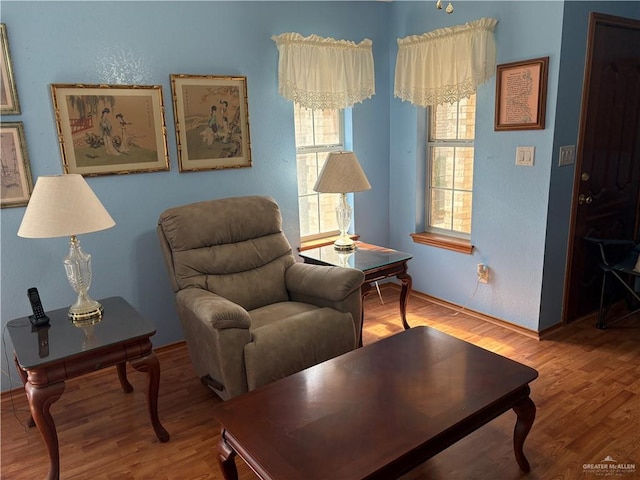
x,y
447,64
323,73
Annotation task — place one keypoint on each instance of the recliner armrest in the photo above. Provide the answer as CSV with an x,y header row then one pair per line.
x,y
213,309
332,283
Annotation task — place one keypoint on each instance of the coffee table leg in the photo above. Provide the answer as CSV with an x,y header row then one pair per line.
x,y
406,280
526,411
226,459
151,366
40,400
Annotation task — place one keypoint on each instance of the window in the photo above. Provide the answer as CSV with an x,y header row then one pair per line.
x,y
450,167
318,132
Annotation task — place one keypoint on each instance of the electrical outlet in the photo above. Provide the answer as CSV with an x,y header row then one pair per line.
x,y
483,273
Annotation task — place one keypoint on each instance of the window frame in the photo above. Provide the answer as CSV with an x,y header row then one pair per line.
x,y
433,236
444,143
315,149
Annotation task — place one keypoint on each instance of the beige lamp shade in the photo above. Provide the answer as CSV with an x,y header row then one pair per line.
x,y
62,206
341,173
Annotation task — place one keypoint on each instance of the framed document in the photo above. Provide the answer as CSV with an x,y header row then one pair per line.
x,y
521,95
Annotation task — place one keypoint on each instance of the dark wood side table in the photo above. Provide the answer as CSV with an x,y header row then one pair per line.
x,y
47,356
377,263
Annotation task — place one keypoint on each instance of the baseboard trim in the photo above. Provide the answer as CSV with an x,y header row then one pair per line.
x,y
480,316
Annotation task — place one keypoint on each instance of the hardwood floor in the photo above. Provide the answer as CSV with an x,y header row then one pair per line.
x,y
587,395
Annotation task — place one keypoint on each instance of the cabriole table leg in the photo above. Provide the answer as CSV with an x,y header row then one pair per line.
x,y
526,411
151,366
226,459
40,401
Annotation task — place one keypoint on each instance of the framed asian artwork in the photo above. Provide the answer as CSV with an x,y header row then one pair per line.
x,y
8,94
111,129
521,95
212,122
17,183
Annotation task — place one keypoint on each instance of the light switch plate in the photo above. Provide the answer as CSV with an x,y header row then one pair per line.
x,y
525,155
567,155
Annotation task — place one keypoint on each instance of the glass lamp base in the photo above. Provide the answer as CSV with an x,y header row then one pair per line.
x,y
87,314
344,244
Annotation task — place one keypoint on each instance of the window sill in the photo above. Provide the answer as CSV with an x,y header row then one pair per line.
x,y
442,241
321,242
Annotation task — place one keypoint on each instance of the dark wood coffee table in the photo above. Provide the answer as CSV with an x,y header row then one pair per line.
x,y
376,412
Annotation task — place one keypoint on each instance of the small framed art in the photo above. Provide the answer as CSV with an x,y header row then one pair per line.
x,y
111,129
521,95
212,122
9,104
17,183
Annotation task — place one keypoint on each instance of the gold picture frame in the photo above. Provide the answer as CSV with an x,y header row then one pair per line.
x,y
111,129
9,104
521,95
212,122
17,183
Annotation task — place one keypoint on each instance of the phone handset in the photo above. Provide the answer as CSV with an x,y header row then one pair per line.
x,y
38,317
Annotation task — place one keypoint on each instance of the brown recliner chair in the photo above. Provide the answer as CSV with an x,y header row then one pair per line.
x,y
250,313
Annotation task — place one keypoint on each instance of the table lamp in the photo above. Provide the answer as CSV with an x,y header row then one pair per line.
x,y
342,174
65,206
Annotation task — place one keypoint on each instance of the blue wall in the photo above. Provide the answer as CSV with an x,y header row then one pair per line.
x,y
520,213
509,202
143,43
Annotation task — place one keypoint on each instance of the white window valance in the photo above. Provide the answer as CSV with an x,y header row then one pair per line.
x,y
323,73
447,64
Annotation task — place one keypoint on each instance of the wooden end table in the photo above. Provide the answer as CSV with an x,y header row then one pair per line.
x,y
377,263
376,412
47,356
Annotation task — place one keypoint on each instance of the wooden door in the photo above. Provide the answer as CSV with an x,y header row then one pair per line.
x,y
607,171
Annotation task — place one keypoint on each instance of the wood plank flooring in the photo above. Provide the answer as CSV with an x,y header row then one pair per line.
x,y
588,399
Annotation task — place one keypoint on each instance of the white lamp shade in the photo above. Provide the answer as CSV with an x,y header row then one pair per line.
x,y
341,173
62,206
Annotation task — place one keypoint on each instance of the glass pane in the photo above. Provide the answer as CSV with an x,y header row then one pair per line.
x,y
467,118
444,122
441,208
463,168
327,125
442,167
307,173
309,221
462,211
328,203
303,119
454,121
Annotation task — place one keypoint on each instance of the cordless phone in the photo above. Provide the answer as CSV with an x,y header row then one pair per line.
x,y
38,317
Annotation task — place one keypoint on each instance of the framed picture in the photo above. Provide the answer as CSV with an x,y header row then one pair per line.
x,y
8,94
17,183
111,129
212,122
521,95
